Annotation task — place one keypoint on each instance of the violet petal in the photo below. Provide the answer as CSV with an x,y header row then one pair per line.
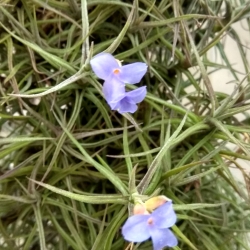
x,y
113,90
137,95
103,65
162,238
125,106
164,216
135,228
133,73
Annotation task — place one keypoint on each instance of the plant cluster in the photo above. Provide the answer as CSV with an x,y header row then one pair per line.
x,y
77,155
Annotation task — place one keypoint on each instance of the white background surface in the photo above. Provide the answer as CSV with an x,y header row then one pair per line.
x,y
224,81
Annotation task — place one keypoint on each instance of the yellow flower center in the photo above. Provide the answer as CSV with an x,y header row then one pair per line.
x,y
150,221
116,71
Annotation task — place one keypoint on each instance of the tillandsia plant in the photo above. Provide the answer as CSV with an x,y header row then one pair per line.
x,y
113,131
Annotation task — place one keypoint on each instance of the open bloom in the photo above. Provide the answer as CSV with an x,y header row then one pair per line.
x,y
141,227
115,77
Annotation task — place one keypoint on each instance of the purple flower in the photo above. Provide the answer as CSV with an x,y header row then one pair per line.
x,y
141,227
115,77
107,67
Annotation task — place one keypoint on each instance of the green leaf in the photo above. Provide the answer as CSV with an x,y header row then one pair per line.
x,y
92,199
